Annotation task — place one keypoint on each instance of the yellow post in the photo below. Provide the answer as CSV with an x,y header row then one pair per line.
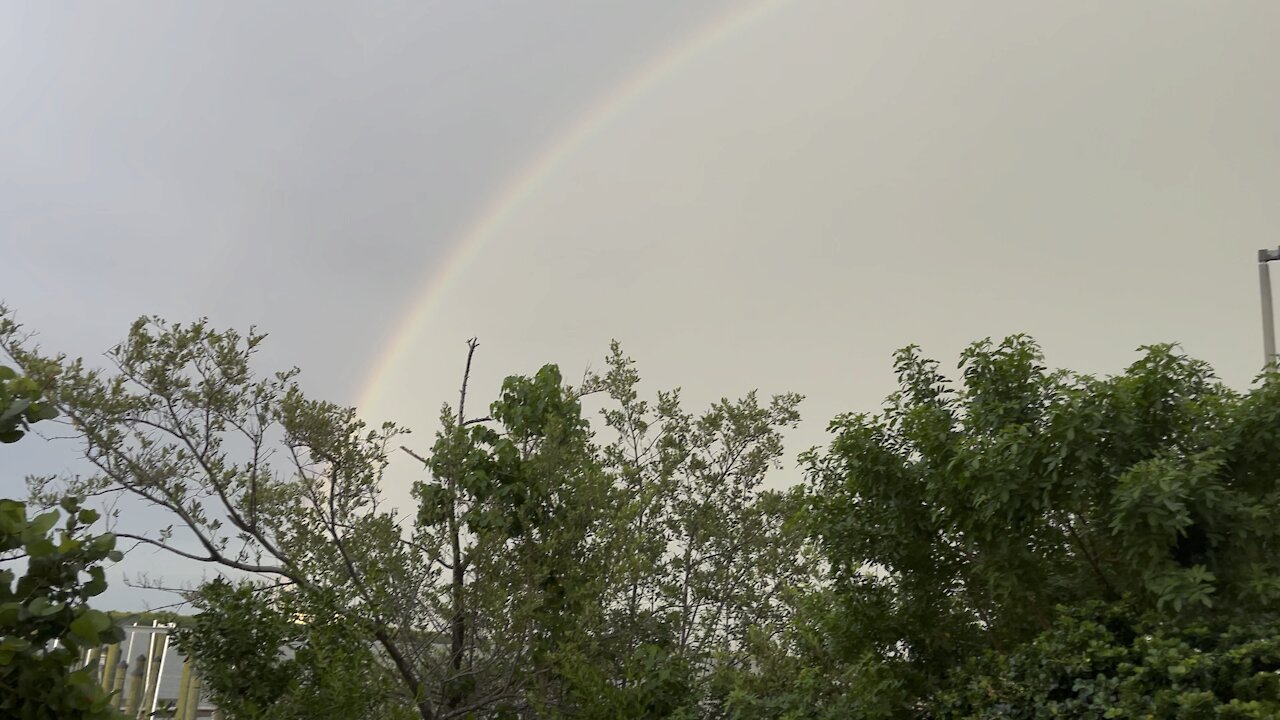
x,y
109,666
117,682
91,657
193,698
136,680
86,658
184,690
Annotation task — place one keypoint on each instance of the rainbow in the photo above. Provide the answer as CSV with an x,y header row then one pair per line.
x,y
524,184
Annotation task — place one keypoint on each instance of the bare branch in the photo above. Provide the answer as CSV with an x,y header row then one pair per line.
x,y
415,455
472,344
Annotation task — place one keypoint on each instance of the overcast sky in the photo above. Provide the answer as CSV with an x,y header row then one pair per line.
x,y
807,188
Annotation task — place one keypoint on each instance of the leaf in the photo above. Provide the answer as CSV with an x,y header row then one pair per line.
x,y
40,546
10,647
97,583
15,409
42,523
40,606
89,625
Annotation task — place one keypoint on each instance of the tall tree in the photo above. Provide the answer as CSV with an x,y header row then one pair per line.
x,y
541,574
470,601
260,480
511,511
963,519
700,554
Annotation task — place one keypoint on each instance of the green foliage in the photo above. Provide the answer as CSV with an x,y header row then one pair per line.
x,y
259,661
650,683
961,519
1105,661
20,403
793,673
700,556
513,509
543,569
45,619
496,469
1019,544
183,424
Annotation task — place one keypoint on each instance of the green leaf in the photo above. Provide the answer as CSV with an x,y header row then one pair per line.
x,y
11,647
89,625
9,614
41,606
97,582
40,546
15,409
42,523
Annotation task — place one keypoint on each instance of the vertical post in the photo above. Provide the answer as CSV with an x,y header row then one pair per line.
x,y
93,662
109,666
117,681
137,677
184,690
193,697
159,674
122,676
153,672
1268,308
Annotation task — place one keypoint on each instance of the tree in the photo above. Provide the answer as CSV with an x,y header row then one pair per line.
x,y
505,514
700,557
183,424
259,659
541,574
1108,661
45,620
972,521
511,511
1022,544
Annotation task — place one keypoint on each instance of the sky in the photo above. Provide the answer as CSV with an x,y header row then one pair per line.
x,y
770,194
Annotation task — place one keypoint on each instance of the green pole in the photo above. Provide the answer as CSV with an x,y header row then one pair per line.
x,y
136,679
